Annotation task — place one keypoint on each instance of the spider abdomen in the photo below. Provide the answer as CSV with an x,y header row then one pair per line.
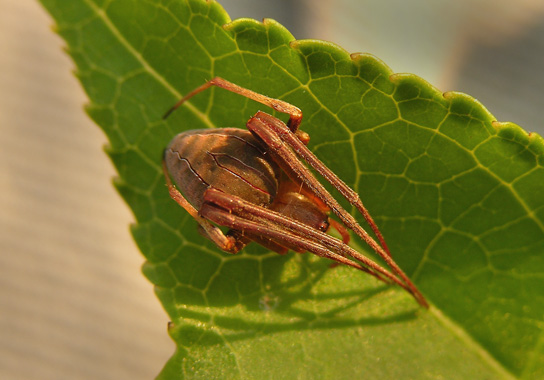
x,y
228,159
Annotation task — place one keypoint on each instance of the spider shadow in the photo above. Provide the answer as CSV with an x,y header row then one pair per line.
x,y
291,306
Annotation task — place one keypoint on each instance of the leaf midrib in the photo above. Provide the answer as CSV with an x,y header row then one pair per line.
x,y
471,344
107,22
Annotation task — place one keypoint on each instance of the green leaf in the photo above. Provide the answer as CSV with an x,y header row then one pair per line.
x,y
457,195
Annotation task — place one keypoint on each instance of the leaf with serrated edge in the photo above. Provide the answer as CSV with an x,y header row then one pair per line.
x,y
456,194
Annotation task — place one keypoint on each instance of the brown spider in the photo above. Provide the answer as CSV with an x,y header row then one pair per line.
x,y
252,182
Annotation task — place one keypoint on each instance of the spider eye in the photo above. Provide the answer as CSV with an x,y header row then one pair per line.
x,y
324,226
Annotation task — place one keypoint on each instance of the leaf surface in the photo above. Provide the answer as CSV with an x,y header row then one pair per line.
x,y
457,196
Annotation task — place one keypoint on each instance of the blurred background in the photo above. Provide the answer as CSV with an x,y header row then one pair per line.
x,y
73,302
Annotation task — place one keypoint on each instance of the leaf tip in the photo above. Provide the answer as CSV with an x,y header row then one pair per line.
x,y
116,180
271,22
356,56
107,148
295,44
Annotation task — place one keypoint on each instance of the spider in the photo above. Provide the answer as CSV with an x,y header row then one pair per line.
x,y
254,183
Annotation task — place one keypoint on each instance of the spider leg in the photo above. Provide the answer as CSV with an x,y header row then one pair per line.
x,y
341,230
295,114
300,148
285,238
226,243
234,212
282,144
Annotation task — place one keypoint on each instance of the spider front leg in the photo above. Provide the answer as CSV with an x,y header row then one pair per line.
x,y
249,219
282,145
295,114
